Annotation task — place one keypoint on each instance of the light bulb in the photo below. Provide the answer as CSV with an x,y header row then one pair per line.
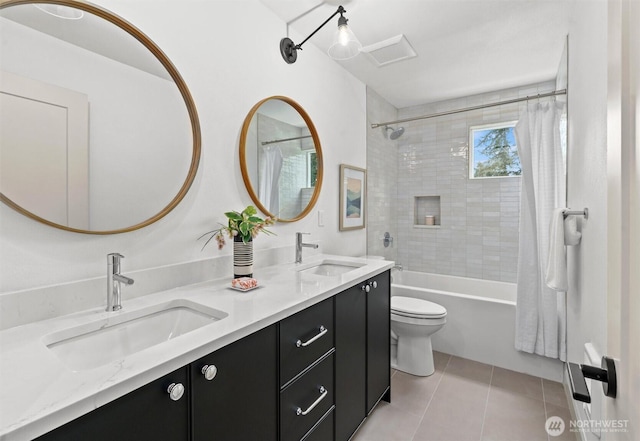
x,y
345,44
343,35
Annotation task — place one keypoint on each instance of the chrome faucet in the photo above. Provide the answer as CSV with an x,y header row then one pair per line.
x,y
114,279
300,245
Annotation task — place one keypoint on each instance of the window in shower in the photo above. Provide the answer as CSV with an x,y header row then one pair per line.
x,y
493,152
312,169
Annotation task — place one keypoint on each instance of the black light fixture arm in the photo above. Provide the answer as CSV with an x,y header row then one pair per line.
x,y
288,49
340,11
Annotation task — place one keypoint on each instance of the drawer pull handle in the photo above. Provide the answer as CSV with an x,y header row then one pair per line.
x,y
300,344
323,394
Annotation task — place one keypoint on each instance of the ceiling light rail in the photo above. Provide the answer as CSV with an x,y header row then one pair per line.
x,y
468,109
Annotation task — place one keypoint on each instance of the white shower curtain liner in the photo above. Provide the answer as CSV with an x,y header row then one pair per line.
x,y
269,187
540,311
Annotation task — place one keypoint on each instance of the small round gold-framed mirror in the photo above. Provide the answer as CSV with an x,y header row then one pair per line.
x,y
100,134
281,158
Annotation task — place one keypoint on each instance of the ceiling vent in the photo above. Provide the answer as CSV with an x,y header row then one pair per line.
x,y
390,50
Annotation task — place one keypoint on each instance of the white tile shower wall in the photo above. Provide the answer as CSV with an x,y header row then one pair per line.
x,y
478,234
382,178
292,180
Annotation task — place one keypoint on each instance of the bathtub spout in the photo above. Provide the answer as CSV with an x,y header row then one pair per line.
x,y
398,267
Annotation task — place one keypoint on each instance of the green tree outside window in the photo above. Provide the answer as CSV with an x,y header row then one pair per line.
x,y
494,152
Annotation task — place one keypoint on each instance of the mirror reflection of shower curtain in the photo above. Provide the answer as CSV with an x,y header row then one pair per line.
x,y
270,168
540,312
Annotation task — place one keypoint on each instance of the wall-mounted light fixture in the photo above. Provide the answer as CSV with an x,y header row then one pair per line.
x,y
345,44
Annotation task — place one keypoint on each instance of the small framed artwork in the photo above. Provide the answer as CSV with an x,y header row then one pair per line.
x,y
353,186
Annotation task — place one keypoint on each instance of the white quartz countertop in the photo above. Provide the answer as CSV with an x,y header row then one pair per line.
x,y
40,392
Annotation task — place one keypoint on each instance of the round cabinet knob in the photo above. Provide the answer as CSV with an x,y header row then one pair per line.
x,y
175,390
366,288
374,284
209,371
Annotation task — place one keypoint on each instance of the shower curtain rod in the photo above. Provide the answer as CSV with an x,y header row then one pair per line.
x,y
275,141
467,109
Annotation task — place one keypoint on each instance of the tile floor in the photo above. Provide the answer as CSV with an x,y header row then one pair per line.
x,y
466,400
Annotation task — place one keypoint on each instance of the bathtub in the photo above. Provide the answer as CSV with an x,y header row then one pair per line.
x,y
481,316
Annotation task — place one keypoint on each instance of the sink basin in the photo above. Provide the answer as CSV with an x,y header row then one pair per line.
x,y
103,341
331,268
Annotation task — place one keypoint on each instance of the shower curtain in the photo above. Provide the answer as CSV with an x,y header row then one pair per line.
x,y
540,311
269,189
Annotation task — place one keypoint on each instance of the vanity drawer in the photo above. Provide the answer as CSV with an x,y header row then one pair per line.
x,y
297,411
304,338
322,431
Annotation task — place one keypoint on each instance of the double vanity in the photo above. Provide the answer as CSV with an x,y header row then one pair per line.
x,y
305,356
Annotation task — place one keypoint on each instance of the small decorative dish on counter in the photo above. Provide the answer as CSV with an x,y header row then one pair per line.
x,y
244,284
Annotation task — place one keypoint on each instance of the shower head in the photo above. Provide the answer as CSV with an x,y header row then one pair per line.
x,y
395,133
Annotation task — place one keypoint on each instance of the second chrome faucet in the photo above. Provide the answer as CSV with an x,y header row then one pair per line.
x,y
114,279
300,245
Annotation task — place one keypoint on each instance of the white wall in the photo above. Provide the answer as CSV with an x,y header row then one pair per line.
x,y
228,54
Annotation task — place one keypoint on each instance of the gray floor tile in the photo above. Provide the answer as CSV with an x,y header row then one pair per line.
x,y
469,369
516,382
451,418
467,400
513,417
562,412
412,394
554,393
388,423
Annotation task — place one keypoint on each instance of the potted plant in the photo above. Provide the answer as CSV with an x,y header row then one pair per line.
x,y
242,227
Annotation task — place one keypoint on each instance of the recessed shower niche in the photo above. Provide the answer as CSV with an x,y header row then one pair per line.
x,y
426,212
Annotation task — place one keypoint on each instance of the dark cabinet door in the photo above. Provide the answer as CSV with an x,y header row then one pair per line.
x,y
378,339
147,413
240,402
351,343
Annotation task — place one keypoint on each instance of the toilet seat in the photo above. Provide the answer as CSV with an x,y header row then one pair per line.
x,y
416,308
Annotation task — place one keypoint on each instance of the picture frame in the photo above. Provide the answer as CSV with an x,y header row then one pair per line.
x,y
353,197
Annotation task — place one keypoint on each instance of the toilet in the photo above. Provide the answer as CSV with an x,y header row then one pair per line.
x,y
413,321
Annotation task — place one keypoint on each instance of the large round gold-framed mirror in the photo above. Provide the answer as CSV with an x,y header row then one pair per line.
x,y
99,132
281,158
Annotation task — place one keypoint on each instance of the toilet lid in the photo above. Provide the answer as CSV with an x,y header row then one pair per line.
x,y
411,307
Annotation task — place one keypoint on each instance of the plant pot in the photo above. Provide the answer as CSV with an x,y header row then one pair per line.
x,y
242,258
